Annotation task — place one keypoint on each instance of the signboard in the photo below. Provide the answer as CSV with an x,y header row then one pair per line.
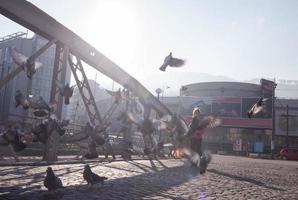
x,y
231,110
267,87
226,107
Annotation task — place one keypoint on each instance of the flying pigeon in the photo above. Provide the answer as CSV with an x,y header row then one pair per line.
x,y
116,94
257,107
209,122
51,181
172,62
91,177
23,61
21,100
66,91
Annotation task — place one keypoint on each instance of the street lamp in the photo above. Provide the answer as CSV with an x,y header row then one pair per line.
x,y
158,91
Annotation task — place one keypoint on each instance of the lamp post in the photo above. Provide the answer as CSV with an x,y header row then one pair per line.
x,y
273,120
158,91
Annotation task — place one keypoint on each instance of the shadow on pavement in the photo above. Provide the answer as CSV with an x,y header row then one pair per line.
x,y
135,187
249,180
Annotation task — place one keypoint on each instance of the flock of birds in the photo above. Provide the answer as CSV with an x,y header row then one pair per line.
x,y
30,66
41,108
53,182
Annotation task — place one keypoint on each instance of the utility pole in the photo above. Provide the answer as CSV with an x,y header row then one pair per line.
x,y
273,120
287,137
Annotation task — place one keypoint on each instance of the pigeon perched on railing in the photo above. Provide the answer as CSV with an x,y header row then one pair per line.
x,y
20,99
257,107
37,103
23,61
91,177
172,62
51,181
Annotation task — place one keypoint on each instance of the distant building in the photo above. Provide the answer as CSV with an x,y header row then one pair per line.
x,y
77,112
39,85
230,101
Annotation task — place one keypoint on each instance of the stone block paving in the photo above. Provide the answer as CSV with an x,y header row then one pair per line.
x,y
227,177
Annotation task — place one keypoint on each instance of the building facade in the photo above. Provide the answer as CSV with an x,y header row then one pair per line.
x,y
40,83
230,101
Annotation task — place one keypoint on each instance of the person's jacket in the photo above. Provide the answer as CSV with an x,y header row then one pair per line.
x,y
195,129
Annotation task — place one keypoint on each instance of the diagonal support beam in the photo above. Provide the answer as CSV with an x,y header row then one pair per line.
x,y
85,91
32,58
59,73
41,50
10,76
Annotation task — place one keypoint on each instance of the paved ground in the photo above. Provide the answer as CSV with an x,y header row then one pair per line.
x,y
227,177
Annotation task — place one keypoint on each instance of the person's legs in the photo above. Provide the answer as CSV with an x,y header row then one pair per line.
x,y
199,147
196,146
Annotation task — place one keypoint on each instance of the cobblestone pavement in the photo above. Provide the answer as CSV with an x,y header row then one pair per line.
x,y
227,177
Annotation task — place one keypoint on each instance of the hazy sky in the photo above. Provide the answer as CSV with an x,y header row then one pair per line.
x,y
241,39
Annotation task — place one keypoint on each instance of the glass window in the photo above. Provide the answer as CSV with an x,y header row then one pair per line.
x,y
36,92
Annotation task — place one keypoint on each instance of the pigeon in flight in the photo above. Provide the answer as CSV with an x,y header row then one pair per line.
x,y
24,62
116,94
51,181
91,177
209,122
257,107
66,91
172,62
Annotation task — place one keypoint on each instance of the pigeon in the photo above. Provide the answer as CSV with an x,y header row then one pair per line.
x,y
116,94
66,91
51,181
91,177
34,102
37,102
21,100
25,63
209,122
172,62
257,107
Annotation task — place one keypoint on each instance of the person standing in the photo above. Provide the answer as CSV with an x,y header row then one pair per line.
x,y
196,131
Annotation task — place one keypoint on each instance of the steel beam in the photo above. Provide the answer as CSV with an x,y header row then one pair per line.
x,y
10,76
41,50
28,15
30,59
59,72
85,91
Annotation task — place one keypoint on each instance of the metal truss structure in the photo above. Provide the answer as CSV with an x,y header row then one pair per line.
x,y
31,17
69,46
15,72
85,91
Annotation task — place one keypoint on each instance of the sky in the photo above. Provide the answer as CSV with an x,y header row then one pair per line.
x,y
239,39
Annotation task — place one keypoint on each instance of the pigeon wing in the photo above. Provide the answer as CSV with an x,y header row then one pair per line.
x,y
17,57
176,62
37,65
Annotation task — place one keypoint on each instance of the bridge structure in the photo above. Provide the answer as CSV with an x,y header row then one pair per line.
x,y
73,51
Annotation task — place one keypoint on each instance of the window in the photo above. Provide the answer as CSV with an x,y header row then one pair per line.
x,y
36,92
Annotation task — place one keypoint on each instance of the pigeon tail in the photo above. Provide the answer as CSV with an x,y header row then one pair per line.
x,y
163,68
